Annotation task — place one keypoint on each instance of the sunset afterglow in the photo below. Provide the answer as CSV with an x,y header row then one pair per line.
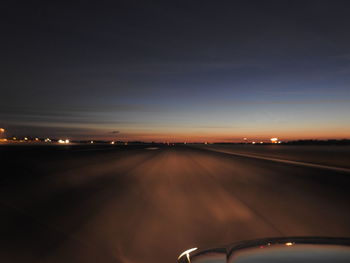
x,y
169,79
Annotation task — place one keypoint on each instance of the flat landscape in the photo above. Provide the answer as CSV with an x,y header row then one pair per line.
x,y
330,155
148,203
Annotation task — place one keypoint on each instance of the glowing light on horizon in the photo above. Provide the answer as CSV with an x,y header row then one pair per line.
x,y
274,140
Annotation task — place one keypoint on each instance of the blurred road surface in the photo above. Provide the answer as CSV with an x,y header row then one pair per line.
x,y
148,204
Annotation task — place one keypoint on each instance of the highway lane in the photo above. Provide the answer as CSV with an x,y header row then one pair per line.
x,y
139,205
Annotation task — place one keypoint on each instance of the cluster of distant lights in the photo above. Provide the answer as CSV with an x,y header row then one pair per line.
x,y
67,141
48,140
63,141
274,140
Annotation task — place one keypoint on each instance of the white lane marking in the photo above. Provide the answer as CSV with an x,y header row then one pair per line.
x,y
313,165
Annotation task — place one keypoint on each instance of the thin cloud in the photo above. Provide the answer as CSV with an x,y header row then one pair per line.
x,y
327,101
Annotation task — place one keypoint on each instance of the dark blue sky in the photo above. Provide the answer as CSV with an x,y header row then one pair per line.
x,y
176,70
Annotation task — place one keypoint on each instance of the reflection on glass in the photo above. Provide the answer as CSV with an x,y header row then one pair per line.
x,y
209,257
290,253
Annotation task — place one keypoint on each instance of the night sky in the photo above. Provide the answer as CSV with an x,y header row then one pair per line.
x,y
176,70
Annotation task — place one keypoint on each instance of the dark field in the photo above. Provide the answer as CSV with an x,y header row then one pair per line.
x,y
141,204
332,155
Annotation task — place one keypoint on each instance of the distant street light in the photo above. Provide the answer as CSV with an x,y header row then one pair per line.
x,y
2,130
274,140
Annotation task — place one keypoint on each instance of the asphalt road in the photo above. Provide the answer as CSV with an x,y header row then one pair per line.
x,y
141,204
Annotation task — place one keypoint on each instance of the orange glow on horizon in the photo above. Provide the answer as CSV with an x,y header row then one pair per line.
x,y
219,136
246,134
